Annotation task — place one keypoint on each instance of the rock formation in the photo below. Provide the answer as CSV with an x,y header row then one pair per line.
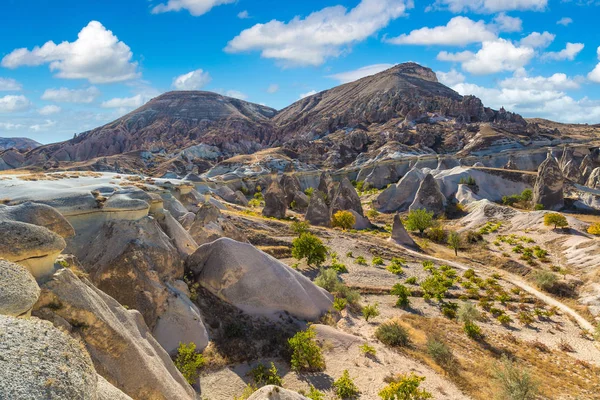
x,y
38,214
594,179
209,225
346,198
548,189
318,211
569,166
327,186
381,176
511,164
18,289
255,282
429,197
400,235
400,196
271,392
275,201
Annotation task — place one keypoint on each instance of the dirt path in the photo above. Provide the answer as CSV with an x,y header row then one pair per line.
x,y
583,323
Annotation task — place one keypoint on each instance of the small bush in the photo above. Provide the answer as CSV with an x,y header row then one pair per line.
x,y
525,318
594,229
377,261
327,279
340,303
504,319
440,353
403,294
474,237
472,330
538,207
436,234
349,254
309,191
392,334
360,260
306,353
254,203
310,247
468,313
514,382
344,387
370,311
263,376
469,274
338,266
411,281
449,310
545,280
188,361
343,219
300,227
419,220
405,387
368,350
556,219
454,241
314,394
372,213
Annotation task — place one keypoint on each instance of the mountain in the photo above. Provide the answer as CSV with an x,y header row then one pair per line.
x,y
18,143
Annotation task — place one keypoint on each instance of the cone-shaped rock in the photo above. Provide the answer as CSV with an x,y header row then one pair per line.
x,y
594,179
399,234
318,211
400,196
569,166
275,204
548,189
429,197
327,186
346,198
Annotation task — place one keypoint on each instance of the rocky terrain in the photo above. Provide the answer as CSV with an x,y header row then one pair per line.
x,y
21,144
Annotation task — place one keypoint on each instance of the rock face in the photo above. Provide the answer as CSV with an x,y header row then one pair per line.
x,y
511,164
429,197
346,198
594,179
271,392
381,176
38,214
18,143
399,234
210,225
569,166
275,201
400,196
41,362
255,282
18,289
318,211
106,391
327,186
231,196
121,345
590,162
293,193
548,189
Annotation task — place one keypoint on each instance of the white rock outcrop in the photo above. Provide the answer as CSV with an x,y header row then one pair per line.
x,y
18,289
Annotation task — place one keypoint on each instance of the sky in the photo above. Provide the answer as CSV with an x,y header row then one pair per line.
x,y
68,66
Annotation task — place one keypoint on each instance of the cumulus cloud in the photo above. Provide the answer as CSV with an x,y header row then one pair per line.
x,y
351,76
493,57
594,75
568,53
9,85
506,23
323,34
243,15
195,7
13,103
65,95
538,40
450,78
9,126
565,21
193,80
490,6
49,110
273,88
97,55
556,82
44,126
124,102
459,31
307,94
236,94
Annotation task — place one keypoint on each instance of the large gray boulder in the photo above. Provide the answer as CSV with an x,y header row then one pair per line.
x,y
400,196
118,340
318,211
429,197
38,214
39,361
548,189
271,392
106,391
381,176
400,235
346,198
18,289
255,282
275,201
594,179
210,224
231,196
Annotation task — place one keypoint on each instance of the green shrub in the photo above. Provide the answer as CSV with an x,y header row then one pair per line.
x,y
370,311
259,196
372,213
504,319
441,353
344,387
525,318
188,361
314,394
470,181
538,207
339,267
435,286
403,294
474,237
469,274
419,220
395,269
263,376
514,382
310,247
327,279
405,387
360,260
545,280
454,241
343,219
377,261
300,227
248,391
449,310
254,203
472,330
411,281
467,312
352,296
349,254
306,353
309,191
436,234
360,185
340,303
391,333
527,195
368,349
556,219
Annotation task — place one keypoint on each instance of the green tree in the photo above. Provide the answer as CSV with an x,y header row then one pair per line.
x,y
300,227
344,387
188,361
306,353
556,219
419,220
310,247
343,219
405,387
403,294
454,241
370,310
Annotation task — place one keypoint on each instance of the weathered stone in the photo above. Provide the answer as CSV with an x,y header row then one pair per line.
x,y
318,211
18,289
106,391
381,176
210,225
569,166
594,179
511,164
548,189
429,197
290,186
400,196
271,392
346,198
327,186
38,214
400,235
275,201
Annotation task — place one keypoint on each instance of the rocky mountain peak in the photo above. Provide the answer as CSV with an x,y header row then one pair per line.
x,y
415,70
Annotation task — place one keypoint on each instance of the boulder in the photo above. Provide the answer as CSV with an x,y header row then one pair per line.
x,y
182,240
381,176
594,179
106,391
210,225
346,198
360,222
548,189
271,392
290,186
18,289
301,202
39,361
327,186
318,211
118,340
38,214
429,197
400,196
255,282
275,201
33,246
400,235
447,163
231,196
466,195
569,166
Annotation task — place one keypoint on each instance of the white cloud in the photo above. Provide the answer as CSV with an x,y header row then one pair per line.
x,y
537,40
490,6
13,103
450,78
9,126
594,75
97,55
323,34
307,94
351,76
243,15
193,80
195,7
64,95
568,53
565,21
49,110
493,57
273,88
236,94
506,23
9,85
459,31
556,82
124,102
43,127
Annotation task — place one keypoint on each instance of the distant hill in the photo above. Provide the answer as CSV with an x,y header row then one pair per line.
x,y
18,143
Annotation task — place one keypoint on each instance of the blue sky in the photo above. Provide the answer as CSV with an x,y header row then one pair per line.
x,y
69,65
